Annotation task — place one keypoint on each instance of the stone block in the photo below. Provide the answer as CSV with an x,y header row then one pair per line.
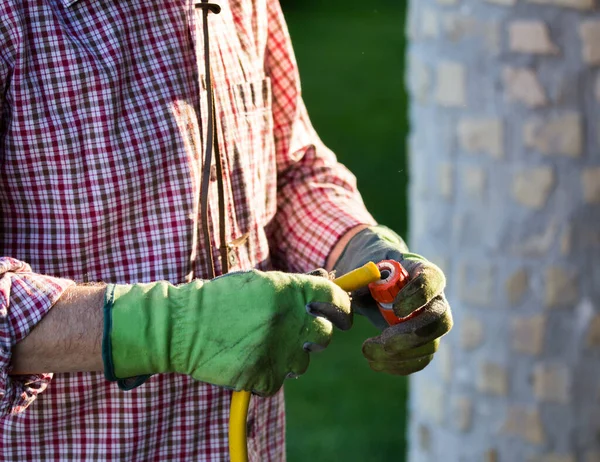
x,y
471,333
598,88
589,32
525,424
474,181
476,284
430,27
528,334
532,37
502,2
451,84
576,4
593,333
464,26
482,135
492,379
561,288
462,413
458,26
590,180
445,180
516,286
562,135
522,85
551,383
447,2
531,188
538,244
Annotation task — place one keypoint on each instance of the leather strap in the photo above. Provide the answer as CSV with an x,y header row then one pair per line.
x,y
212,145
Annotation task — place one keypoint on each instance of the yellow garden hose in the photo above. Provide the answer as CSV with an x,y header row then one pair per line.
x,y
238,414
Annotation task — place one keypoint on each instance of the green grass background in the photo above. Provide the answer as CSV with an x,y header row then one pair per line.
x,y
351,58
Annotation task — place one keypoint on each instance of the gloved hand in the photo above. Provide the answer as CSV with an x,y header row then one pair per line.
x,y
407,347
244,331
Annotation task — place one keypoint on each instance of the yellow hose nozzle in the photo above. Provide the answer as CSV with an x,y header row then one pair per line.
x,y
238,444
360,277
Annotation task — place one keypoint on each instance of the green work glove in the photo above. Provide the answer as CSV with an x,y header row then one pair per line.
x,y
243,331
407,347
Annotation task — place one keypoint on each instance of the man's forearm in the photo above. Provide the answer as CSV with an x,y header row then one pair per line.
x,y
68,339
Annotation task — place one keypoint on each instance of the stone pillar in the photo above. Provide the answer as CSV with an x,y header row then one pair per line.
x,y
505,197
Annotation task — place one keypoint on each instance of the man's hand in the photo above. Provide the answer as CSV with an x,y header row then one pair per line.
x,y
407,347
244,331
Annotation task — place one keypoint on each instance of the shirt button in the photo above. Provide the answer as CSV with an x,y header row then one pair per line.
x,y
213,172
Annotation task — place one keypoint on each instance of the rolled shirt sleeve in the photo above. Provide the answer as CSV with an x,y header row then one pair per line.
x,y
25,298
317,201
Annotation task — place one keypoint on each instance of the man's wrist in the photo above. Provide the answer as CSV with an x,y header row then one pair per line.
x,y
339,247
68,338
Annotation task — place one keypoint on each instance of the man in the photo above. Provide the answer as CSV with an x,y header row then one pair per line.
x,y
152,141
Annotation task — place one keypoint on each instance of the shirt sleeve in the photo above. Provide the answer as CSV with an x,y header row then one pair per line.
x,y
317,199
25,297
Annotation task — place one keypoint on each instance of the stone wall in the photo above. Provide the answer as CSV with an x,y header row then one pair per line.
x,y
505,197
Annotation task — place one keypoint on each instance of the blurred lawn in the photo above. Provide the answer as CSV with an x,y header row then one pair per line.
x,y
351,58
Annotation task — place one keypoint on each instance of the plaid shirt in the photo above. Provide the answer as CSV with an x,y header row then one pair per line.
x,y
103,123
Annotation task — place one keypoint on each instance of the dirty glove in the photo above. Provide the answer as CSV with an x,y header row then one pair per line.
x,y
243,331
407,347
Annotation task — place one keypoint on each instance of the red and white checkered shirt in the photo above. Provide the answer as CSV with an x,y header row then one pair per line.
x,y
102,131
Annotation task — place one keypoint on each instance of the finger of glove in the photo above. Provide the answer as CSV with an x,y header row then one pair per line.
x,y
377,354
264,379
426,282
275,371
433,322
340,317
409,259
337,315
402,367
319,272
320,289
298,364
362,300
316,334
268,385
328,301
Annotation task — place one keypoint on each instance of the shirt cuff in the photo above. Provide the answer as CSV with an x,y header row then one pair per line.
x,y
307,241
25,298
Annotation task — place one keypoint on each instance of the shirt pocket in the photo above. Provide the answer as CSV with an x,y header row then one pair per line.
x,y
248,149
